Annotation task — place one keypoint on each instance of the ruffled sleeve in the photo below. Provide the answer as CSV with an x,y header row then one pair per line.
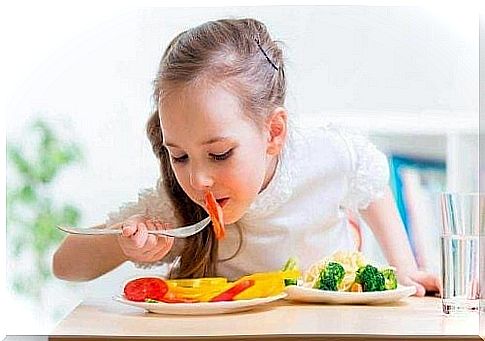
x,y
369,173
152,202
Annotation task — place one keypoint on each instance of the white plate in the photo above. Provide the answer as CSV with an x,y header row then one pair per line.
x,y
302,294
202,308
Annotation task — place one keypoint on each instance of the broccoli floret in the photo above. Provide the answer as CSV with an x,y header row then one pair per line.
x,y
330,277
390,280
291,281
370,278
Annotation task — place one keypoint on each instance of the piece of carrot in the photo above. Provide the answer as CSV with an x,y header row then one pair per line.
x,y
215,213
356,287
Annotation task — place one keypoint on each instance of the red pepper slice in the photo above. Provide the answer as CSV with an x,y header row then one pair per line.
x,y
147,287
215,213
230,293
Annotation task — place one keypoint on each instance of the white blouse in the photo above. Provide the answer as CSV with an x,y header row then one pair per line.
x,y
302,212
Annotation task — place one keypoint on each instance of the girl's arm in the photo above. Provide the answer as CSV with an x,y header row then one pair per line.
x,y
383,218
82,258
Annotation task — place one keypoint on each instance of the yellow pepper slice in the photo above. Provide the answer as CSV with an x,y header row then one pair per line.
x,y
204,289
267,284
200,289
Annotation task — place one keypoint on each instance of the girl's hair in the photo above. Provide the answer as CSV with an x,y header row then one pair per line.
x,y
241,56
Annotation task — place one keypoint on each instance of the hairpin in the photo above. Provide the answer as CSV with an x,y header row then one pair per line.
x,y
269,60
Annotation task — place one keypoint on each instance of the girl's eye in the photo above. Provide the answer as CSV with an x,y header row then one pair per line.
x,y
180,159
223,156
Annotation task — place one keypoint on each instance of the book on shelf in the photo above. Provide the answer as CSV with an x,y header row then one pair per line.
x,y
416,184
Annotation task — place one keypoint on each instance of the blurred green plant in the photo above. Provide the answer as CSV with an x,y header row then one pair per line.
x,y
32,214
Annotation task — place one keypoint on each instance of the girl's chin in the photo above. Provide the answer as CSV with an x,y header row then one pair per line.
x,y
231,218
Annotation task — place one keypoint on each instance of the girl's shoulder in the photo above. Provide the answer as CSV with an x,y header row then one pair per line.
x,y
333,146
323,141
323,130
328,138
341,151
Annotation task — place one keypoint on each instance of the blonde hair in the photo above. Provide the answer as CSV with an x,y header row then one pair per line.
x,y
240,55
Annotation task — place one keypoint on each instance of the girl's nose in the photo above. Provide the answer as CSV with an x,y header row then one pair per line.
x,y
200,179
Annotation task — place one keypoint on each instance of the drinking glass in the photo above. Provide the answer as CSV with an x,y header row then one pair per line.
x,y
462,225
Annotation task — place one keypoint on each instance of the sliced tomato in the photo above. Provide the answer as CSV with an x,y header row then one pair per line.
x,y
215,213
141,289
230,293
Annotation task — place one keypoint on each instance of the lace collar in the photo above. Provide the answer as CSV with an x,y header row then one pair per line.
x,y
278,191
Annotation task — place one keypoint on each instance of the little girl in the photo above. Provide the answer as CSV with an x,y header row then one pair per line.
x,y
220,124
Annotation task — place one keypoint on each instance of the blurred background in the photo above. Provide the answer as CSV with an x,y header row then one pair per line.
x,y
79,94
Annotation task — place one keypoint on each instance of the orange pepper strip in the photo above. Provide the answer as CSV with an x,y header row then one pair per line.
x,y
197,282
215,213
171,297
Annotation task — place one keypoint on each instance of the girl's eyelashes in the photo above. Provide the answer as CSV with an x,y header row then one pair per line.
x,y
215,157
223,156
180,159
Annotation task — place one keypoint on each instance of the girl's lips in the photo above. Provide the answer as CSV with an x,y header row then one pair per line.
x,y
222,202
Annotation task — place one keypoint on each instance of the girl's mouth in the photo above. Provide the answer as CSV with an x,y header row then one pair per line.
x,y
222,202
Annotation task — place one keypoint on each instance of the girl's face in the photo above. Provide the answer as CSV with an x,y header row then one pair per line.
x,y
214,146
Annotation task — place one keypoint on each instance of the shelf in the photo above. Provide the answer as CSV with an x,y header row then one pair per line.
x,y
447,136
433,147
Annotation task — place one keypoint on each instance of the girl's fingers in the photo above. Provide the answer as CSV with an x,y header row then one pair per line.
x,y
150,244
128,230
140,236
429,281
167,242
157,248
142,246
162,226
420,290
163,247
150,225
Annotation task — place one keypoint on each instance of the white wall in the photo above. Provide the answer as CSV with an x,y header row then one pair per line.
x,y
95,70
374,59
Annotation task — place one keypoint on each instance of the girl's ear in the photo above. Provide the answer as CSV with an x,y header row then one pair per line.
x,y
276,125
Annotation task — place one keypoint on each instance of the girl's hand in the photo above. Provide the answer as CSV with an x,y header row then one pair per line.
x,y
423,281
138,245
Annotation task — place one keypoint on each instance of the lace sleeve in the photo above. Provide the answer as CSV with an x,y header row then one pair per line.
x,y
153,203
369,174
